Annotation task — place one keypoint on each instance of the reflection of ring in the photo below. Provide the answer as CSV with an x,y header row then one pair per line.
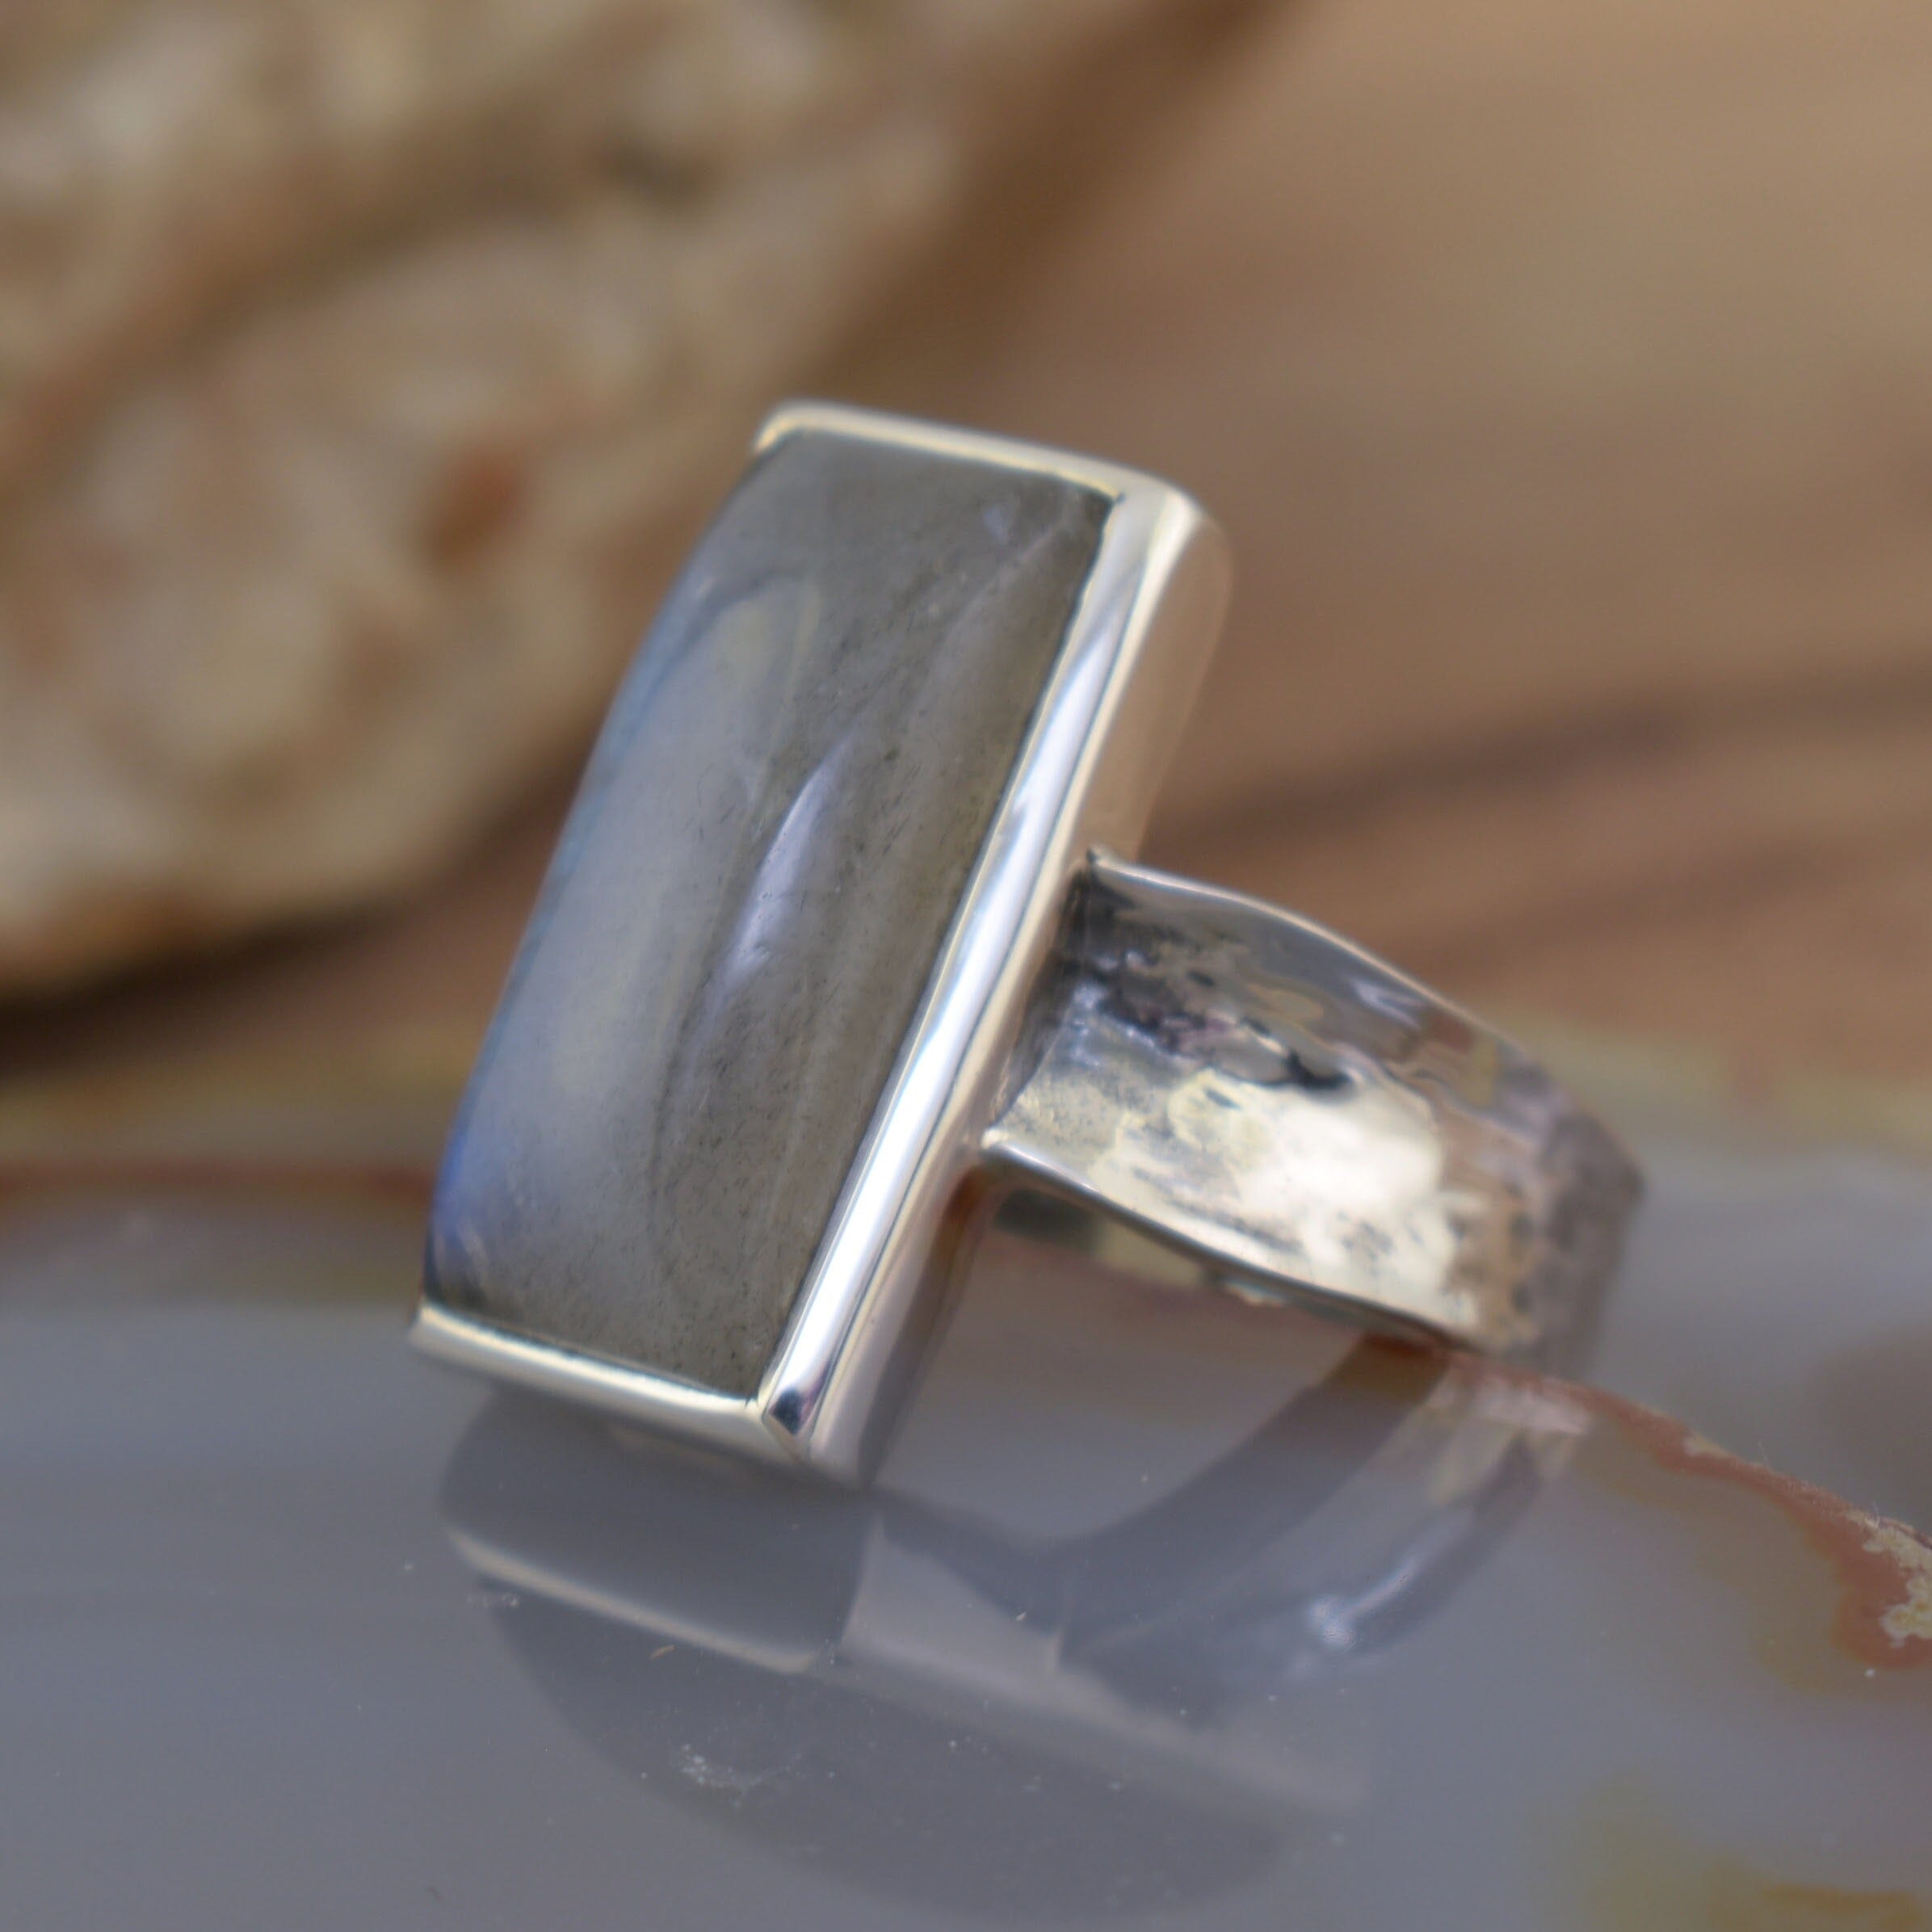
x,y
1150,1664
836,934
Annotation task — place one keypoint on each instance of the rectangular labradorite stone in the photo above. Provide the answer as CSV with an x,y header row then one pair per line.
x,y
771,842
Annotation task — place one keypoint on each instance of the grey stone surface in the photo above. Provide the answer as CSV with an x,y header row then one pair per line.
x,y
743,913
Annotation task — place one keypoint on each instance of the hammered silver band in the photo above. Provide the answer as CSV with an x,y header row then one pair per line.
x,y
1246,1085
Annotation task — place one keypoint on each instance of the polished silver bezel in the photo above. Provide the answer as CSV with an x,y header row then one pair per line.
x,y
1106,723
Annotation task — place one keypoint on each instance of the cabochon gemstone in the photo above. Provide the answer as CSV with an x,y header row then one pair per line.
x,y
771,842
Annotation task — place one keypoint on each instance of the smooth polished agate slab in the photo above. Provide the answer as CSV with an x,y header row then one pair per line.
x,y
771,845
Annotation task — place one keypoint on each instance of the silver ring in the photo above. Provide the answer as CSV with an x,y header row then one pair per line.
x,y
842,940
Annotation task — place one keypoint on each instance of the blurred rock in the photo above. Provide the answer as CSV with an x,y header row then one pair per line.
x,y
360,364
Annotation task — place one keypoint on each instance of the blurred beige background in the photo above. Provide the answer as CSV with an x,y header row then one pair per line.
x,y
1563,370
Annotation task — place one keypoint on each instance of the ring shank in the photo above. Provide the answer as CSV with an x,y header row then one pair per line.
x,y
1249,1087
